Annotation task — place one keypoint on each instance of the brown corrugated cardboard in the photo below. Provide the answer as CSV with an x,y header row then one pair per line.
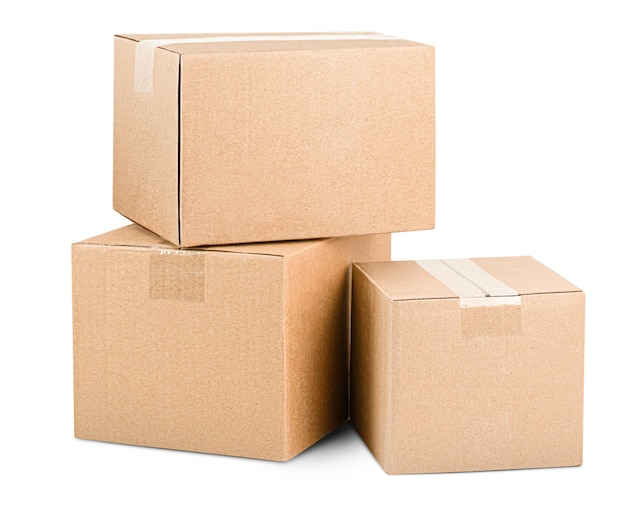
x,y
240,350
260,140
467,366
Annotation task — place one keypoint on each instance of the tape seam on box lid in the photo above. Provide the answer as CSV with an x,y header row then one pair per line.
x,y
474,286
144,51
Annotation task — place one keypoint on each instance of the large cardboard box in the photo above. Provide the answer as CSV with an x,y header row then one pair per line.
x,y
239,350
249,138
467,365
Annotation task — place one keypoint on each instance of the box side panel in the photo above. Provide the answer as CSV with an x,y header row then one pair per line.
x,y
480,402
370,376
317,287
179,350
145,149
294,145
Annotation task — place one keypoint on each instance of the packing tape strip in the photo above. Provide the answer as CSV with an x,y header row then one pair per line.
x,y
144,52
474,286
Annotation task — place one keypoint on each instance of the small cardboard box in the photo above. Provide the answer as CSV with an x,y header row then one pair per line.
x,y
467,365
238,350
267,137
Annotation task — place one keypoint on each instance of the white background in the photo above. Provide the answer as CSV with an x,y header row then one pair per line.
x,y
531,134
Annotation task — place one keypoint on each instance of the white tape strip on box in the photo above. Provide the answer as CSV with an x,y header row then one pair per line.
x,y
144,53
474,286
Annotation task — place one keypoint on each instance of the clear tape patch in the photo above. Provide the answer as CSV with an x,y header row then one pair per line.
x,y
474,286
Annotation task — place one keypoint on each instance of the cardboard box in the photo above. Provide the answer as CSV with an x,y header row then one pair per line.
x,y
266,137
467,365
239,350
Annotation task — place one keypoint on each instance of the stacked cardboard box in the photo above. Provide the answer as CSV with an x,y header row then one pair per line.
x,y
465,365
258,169
242,139
238,350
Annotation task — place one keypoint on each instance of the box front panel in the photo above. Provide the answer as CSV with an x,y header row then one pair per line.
x,y
179,350
297,144
483,400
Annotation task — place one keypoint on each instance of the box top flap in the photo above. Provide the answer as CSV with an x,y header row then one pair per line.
x,y
513,275
526,275
199,44
135,236
205,43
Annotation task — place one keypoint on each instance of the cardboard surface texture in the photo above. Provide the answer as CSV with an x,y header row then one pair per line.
x,y
240,350
262,140
467,365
